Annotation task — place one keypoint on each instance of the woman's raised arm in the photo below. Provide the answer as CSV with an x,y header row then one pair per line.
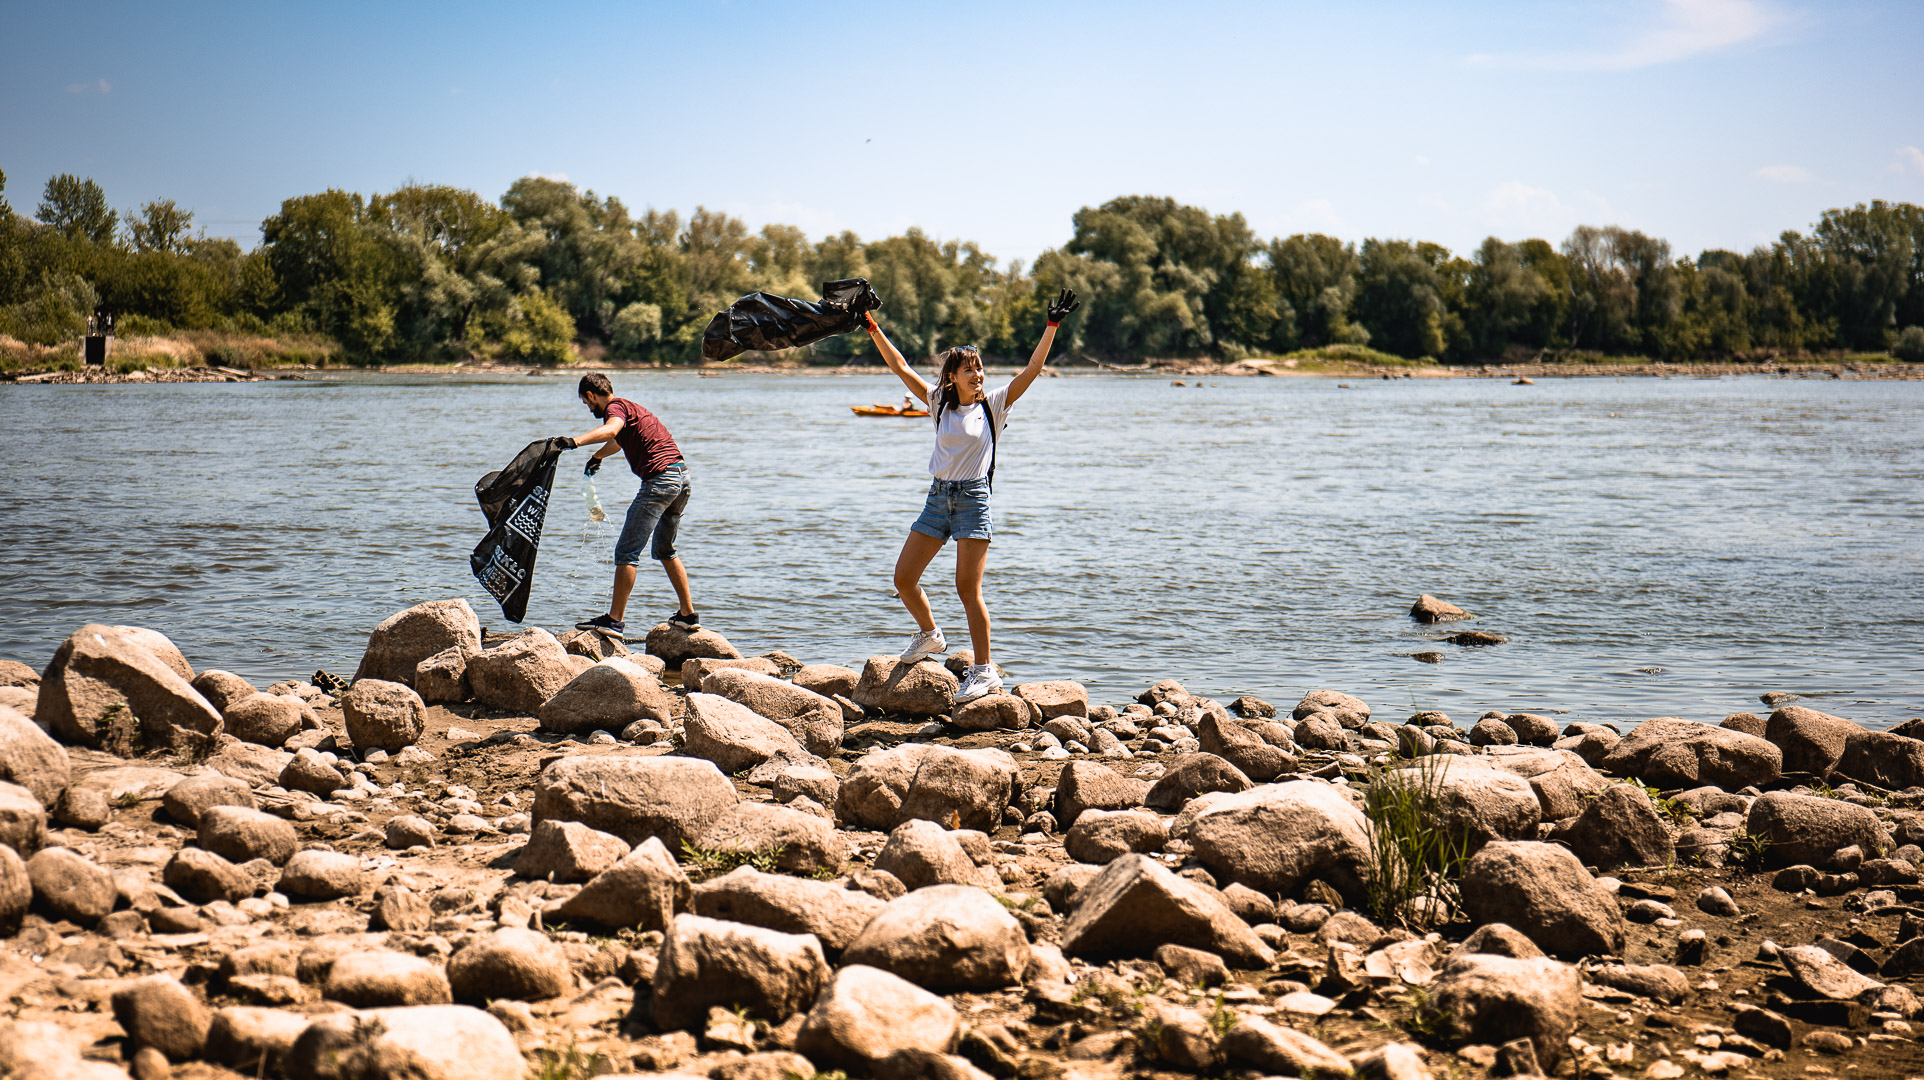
x,y
893,358
1065,303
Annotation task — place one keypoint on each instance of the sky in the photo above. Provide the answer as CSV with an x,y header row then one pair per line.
x,y
1709,123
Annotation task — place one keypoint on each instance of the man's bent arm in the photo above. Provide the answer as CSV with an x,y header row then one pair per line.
x,y
603,434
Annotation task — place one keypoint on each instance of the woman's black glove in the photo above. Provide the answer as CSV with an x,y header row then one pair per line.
x,y
593,466
1065,303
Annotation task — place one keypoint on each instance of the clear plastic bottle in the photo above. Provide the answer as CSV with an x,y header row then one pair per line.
x,y
595,512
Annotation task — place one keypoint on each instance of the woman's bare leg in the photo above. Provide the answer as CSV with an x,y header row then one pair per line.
x,y
971,557
917,552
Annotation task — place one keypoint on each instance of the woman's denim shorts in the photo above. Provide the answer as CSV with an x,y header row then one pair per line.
x,y
956,510
655,513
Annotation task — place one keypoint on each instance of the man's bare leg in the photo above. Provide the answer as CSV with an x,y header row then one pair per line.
x,y
678,577
624,584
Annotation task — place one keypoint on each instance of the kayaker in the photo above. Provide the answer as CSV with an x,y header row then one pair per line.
x,y
968,421
655,516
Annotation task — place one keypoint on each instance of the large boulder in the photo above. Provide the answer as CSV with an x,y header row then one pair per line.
x,y
1673,752
732,735
801,843
1229,740
37,1050
374,978
609,696
512,962
1479,998
828,680
1101,835
1058,697
634,797
1542,891
16,890
1350,712
708,962
1278,837
953,788
866,1014
1620,827
265,719
222,688
314,874
1888,760
566,851
1475,799
204,877
994,712
1810,829
124,689
70,885
158,1011
444,676
23,820
643,890
520,674
416,1042
945,937
1562,780
383,715
1811,741
253,1041
922,853
1091,785
31,758
1136,904
242,834
833,913
814,720
1190,776
675,644
924,688
396,647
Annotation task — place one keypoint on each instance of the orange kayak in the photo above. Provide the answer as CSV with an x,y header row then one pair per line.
x,y
887,410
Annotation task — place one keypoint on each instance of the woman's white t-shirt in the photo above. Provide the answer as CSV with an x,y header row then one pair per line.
x,y
962,441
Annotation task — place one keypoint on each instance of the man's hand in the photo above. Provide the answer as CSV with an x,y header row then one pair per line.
x,y
592,467
1065,303
565,442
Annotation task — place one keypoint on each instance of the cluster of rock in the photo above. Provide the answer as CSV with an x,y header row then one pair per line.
x,y
1028,884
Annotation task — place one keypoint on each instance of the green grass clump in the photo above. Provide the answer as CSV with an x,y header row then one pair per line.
x,y
1415,849
702,863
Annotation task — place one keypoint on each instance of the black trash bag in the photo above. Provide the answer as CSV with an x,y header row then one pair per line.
x,y
762,321
515,502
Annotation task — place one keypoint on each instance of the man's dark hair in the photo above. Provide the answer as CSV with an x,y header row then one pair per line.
x,y
594,382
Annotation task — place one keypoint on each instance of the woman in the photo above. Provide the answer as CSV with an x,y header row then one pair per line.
x,y
967,423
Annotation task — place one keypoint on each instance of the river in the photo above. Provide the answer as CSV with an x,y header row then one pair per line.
x,y
1650,547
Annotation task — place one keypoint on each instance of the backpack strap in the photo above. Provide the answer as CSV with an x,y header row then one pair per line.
x,y
989,414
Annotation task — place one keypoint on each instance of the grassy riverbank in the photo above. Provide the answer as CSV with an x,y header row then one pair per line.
x,y
256,352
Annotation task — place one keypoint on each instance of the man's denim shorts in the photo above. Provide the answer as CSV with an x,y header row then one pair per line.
x,y
655,512
957,509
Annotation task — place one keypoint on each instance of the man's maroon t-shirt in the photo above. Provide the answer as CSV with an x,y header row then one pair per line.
x,y
643,438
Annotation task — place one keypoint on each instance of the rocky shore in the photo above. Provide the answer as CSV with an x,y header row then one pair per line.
x,y
156,375
560,857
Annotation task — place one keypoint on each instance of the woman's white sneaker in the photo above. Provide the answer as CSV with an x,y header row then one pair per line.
x,y
978,682
924,645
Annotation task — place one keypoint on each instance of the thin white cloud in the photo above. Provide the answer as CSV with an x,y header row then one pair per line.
x,y
1683,29
97,86
1909,160
1785,174
1515,208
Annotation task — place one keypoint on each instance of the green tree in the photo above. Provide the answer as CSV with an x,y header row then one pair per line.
x,y
1516,296
1873,270
78,209
335,269
1169,259
1315,283
1400,297
589,248
161,226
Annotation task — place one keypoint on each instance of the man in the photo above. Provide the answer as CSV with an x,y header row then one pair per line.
x,y
655,515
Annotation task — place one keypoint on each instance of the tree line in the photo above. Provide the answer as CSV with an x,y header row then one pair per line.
x,y
430,272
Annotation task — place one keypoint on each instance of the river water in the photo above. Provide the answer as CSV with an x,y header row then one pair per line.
x,y
1650,547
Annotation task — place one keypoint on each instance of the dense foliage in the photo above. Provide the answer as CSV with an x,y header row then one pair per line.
x,y
430,273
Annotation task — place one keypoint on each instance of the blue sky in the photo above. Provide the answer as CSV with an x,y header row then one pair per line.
x,y
1711,123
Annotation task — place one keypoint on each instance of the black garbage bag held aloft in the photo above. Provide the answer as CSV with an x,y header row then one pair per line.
x,y
515,502
762,321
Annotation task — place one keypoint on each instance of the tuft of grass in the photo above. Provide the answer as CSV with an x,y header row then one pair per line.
x,y
1678,812
1415,851
1747,851
1426,1023
126,800
1222,1018
702,863
569,1064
